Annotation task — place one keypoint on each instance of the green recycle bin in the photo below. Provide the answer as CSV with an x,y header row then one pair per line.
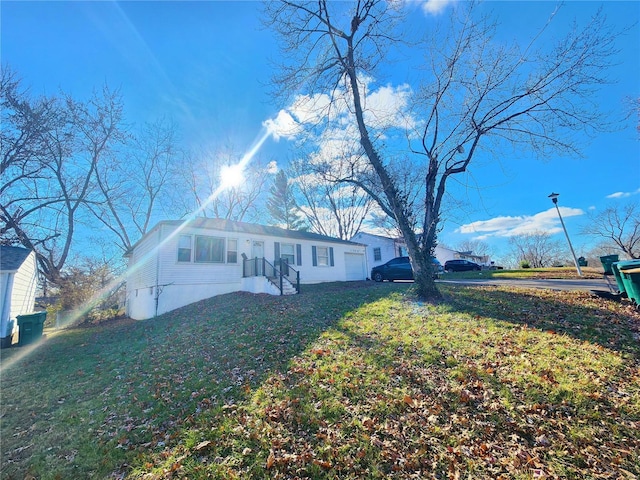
x,y
30,327
616,267
607,261
631,279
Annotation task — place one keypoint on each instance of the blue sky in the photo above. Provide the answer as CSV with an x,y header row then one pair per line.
x,y
206,65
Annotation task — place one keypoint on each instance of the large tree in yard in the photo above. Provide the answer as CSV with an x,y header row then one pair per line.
x,y
474,96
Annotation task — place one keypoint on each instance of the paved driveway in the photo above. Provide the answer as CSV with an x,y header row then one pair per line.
x,y
555,284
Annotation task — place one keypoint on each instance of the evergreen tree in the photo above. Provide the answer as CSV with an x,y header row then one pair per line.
x,y
282,205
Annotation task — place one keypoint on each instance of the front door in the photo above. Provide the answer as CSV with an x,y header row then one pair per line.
x,y
257,251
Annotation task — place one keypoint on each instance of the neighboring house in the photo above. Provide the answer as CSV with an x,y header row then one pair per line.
x,y
18,282
443,254
381,249
181,262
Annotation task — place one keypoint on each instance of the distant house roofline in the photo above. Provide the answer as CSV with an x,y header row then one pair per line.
x,y
385,237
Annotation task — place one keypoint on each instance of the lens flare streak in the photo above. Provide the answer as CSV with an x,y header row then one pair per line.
x,y
246,159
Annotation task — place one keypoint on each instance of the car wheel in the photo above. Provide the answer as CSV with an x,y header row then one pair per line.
x,y
377,277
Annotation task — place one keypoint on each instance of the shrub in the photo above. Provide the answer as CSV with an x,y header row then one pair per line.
x,y
524,264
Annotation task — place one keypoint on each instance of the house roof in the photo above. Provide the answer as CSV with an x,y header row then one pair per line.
x,y
383,237
11,258
225,225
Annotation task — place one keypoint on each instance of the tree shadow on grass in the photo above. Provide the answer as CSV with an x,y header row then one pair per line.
x,y
580,315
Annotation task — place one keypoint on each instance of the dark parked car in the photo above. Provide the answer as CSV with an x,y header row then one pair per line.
x,y
398,268
460,266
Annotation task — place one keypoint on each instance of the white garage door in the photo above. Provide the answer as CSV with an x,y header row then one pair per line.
x,y
355,267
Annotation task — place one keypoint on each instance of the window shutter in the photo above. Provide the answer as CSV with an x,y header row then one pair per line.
x,y
314,256
298,254
331,256
276,251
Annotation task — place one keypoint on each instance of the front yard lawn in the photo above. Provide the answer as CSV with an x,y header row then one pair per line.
x,y
355,380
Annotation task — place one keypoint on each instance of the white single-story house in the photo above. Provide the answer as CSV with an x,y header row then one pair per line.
x,y
381,249
18,283
180,262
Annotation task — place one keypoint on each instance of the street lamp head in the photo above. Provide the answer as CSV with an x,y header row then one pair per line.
x,y
554,197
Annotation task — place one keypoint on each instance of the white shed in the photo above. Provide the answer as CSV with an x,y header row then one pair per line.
x,y
18,282
180,262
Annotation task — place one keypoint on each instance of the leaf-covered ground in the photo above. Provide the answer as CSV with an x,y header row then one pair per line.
x,y
342,381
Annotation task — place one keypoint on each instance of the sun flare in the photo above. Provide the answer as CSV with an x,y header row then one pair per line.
x,y
231,176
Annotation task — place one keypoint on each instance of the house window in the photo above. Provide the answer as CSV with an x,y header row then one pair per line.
x,y
209,250
232,250
377,254
287,253
322,255
184,248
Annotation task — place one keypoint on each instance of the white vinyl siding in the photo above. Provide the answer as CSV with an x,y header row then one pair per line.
x,y
23,294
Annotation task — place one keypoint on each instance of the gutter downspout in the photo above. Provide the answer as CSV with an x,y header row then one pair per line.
x,y
157,293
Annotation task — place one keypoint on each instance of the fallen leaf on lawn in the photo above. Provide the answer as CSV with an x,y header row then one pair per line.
x,y
203,445
409,400
323,464
465,396
271,460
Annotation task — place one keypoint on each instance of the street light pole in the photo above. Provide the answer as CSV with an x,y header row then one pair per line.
x,y
554,199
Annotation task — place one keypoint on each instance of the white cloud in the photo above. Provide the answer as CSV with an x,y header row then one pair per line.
x,y
284,125
435,7
308,109
384,107
623,194
546,221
